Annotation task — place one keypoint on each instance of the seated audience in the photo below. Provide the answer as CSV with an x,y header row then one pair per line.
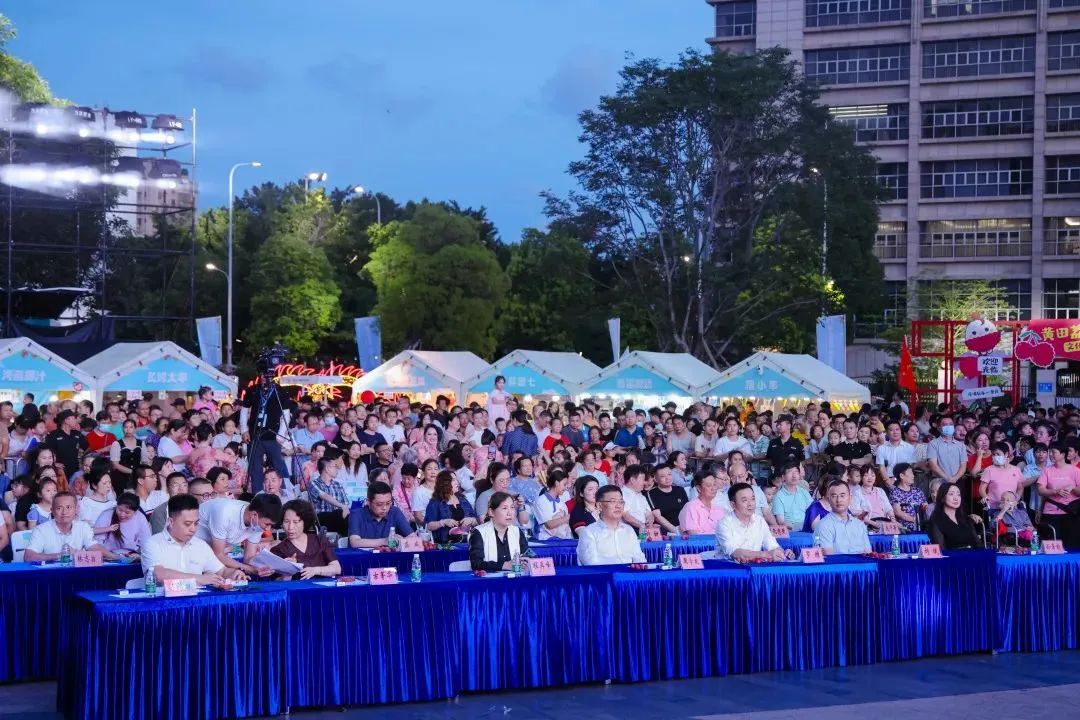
x,y
950,527
175,484
326,495
370,525
609,541
448,512
701,515
226,523
499,477
585,510
840,532
792,499
549,512
743,535
668,498
303,545
179,553
48,539
495,543
123,528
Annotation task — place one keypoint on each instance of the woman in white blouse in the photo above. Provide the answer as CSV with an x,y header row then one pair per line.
x,y
98,499
549,510
869,501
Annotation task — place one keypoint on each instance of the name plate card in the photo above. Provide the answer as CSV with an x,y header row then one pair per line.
x,y
1053,547
382,576
812,555
927,552
890,528
691,561
87,558
181,587
411,543
653,534
538,567
780,531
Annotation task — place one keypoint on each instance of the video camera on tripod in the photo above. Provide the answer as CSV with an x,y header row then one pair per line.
x,y
269,359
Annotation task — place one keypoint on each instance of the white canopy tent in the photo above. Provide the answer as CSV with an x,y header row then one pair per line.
x,y
162,367
776,377
652,377
537,373
27,367
422,374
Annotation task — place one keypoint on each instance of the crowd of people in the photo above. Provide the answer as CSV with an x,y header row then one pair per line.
x,y
198,491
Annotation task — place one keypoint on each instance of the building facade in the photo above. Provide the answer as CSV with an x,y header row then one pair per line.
x,y
973,112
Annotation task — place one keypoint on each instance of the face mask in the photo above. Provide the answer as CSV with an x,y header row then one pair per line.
x,y
999,460
330,420
948,430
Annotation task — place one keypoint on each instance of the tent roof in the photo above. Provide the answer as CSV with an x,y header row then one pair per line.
x,y
10,346
117,361
567,368
685,371
451,368
817,378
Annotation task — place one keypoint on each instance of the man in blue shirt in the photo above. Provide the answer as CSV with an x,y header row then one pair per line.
x,y
840,532
370,525
630,436
521,439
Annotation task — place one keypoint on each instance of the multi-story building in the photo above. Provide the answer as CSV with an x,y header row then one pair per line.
x,y
973,111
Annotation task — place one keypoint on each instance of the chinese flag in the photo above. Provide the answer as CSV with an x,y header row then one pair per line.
x,y
906,379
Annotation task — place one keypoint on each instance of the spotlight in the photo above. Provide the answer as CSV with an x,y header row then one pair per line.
x,y
316,176
129,120
167,122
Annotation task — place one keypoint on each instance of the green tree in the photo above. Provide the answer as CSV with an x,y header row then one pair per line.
x,y
438,285
19,76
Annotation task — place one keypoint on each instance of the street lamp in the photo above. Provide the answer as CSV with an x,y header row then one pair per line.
x,y
229,268
359,190
311,177
824,219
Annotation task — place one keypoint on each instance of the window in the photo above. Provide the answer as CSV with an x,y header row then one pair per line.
x,y
975,238
894,311
874,123
996,177
892,177
1014,296
1062,174
847,66
890,240
1054,4
979,57
963,8
829,13
1063,50
987,117
736,19
1063,113
1061,299
1062,236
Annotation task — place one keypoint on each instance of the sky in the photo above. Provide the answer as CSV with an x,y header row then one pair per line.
x,y
473,101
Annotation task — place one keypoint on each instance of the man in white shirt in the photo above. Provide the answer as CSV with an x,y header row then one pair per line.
x,y
48,539
175,552
895,451
705,445
391,431
731,440
224,523
637,513
609,541
542,427
738,473
743,535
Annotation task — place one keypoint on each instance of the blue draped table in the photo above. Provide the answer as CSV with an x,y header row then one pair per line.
x,y
909,543
33,601
1040,607
358,562
215,655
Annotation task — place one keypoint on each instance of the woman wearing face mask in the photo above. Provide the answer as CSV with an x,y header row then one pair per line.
x,y
999,478
950,527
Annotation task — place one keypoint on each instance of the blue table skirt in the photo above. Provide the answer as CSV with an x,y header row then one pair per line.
x,y
358,562
216,655
1036,614
33,611
909,543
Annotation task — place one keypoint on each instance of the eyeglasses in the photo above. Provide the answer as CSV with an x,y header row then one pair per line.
x,y
617,503
204,496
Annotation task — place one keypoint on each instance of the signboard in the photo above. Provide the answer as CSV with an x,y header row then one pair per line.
x,y
1049,340
691,561
635,381
539,567
165,374
26,372
180,587
984,393
780,531
521,380
766,383
927,552
812,555
991,365
1045,387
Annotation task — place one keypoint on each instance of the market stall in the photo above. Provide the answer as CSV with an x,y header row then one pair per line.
x,y
423,375
775,380
652,378
126,370
27,367
534,374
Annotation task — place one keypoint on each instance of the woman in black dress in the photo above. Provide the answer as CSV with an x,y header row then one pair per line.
x,y
950,527
303,545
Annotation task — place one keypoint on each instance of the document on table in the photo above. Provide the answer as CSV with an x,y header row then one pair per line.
x,y
267,559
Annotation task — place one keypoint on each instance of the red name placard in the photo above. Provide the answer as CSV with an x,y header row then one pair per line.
x,y
929,551
890,528
412,543
382,576
1053,547
652,533
812,555
780,531
87,558
539,567
691,561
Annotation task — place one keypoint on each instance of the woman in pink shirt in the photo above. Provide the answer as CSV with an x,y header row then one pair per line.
x,y
1059,486
700,515
999,478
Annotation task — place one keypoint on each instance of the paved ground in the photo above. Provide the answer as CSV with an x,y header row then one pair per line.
x,y
976,687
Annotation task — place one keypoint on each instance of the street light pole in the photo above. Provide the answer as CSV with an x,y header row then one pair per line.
x,y
229,270
360,190
824,220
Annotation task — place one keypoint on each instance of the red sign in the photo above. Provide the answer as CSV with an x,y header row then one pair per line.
x,y
691,561
539,567
1044,341
411,543
87,558
928,552
890,528
382,576
812,555
780,531
1053,547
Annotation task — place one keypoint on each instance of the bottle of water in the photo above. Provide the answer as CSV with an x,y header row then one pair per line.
x,y
669,557
895,546
817,541
642,535
515,564
392,540
417,572
150,583
1035,544
65,555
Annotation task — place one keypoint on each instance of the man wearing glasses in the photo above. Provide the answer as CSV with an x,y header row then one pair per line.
x,y
609,541
370,526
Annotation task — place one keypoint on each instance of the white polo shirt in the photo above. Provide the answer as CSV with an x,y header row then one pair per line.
x,y
47,538
598,544
391,434
163,550
637,506
223,519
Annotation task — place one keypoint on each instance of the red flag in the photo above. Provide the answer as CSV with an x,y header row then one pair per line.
x,y
906,378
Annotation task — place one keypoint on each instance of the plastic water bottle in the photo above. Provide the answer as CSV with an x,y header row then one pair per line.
x,y
669,557
817,541
65,555
641,534
895,546
515,564
1035,544
392,540
150,583
417,572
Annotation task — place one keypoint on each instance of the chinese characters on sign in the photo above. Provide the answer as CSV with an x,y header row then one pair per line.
x,y
520,382
171,378
760,385
22,376
634,383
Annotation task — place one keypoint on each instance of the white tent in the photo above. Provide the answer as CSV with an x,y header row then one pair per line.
x,y
644,374
536,372
423,373
779,376
27,367
153,366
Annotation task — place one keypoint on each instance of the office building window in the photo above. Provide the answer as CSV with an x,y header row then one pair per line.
x,y
994,177
986,117
964,8
892,177
735,19
874,123
1063,50
1054,4
979,57
1061,298
847,66
1062,174
1063,113
893,312
829,13
1062,236
975,238
1013,301
890,240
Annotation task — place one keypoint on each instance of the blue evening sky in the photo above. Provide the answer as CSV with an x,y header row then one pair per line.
x,y
473,101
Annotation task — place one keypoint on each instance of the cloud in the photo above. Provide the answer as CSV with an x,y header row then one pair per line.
x,y
357,81
579,80
221,67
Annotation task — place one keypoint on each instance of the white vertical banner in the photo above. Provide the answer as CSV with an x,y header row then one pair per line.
x,y
832,341
209,331
613,328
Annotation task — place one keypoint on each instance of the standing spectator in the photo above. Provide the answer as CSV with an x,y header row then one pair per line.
x,y
1059,487
66,442
894,452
